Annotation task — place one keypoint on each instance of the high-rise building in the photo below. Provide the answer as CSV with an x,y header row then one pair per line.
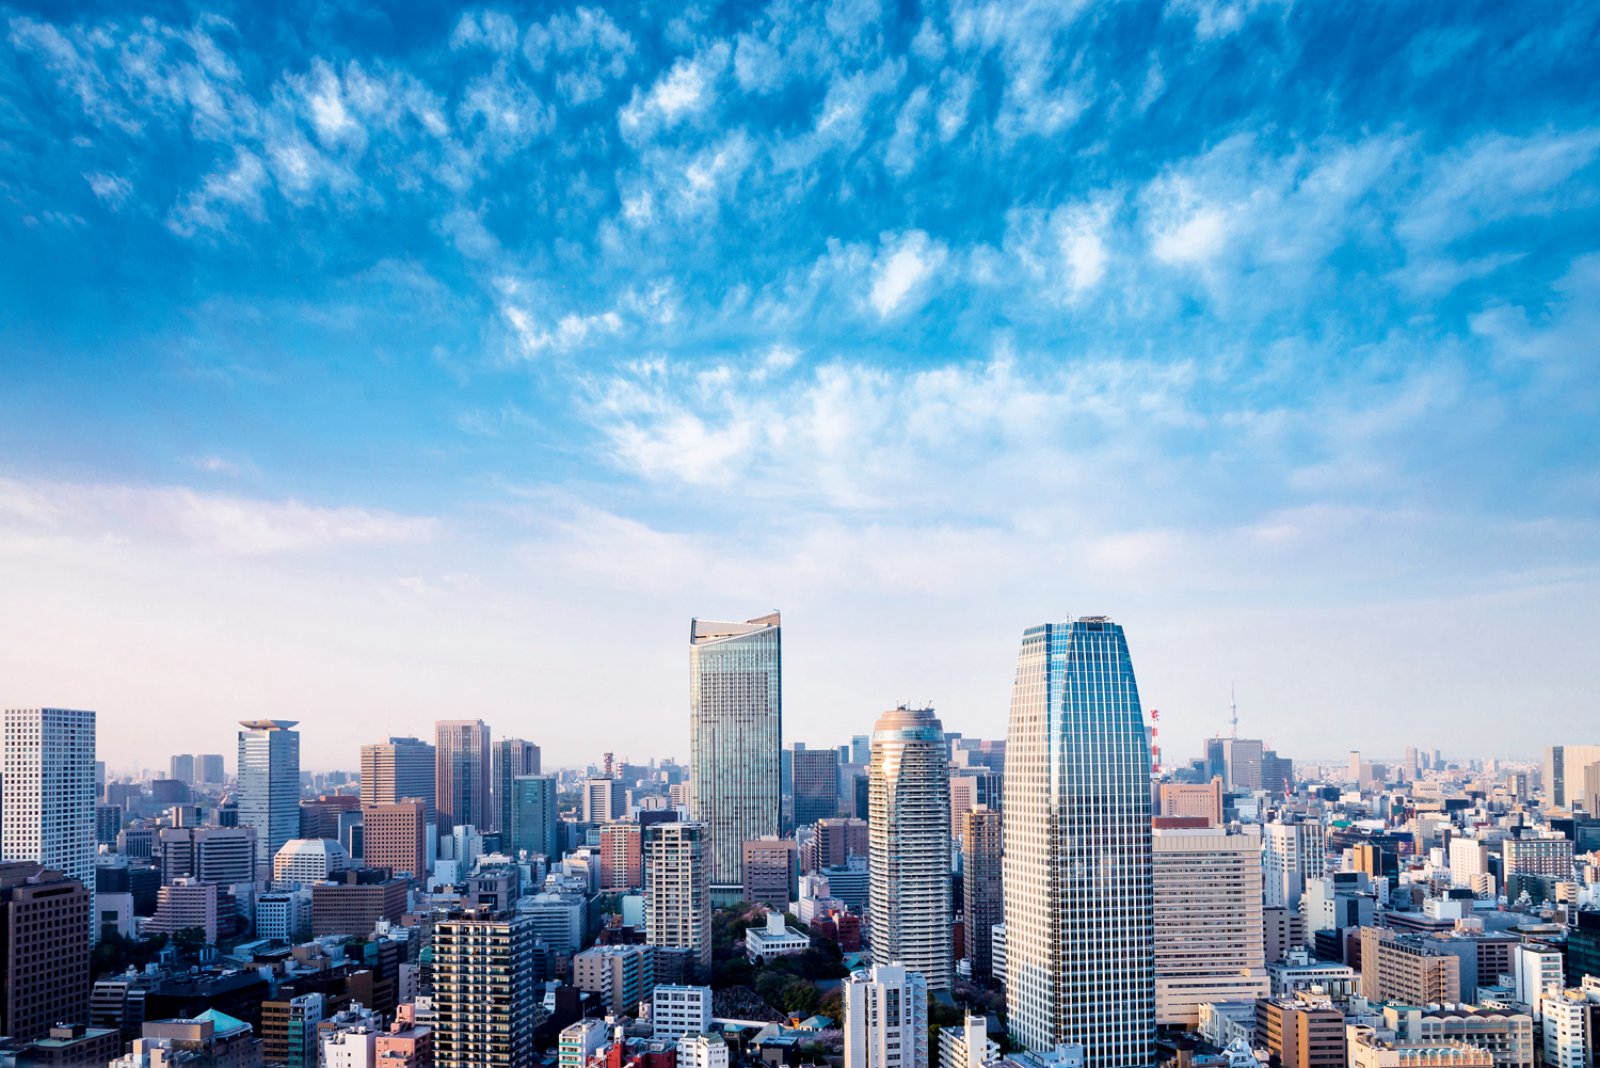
x,y
209,769
605,799
1301,1032
289,1030
816,785
834,841
885,1018
677,888
771,872
735,736
398,769
269,784
483,990
47,795
1079,953
535,826
1563,772
621,857
1191,799
910,844
224,855
513,758
182,767
44,949
982,888
1209,938
394,835
1291,854
1407,969
462,775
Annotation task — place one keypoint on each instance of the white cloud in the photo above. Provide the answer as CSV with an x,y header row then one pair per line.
x,y
112,190
686,89
238,187
903,270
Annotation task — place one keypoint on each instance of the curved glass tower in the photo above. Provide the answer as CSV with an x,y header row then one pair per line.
x,y
1078,904
910,844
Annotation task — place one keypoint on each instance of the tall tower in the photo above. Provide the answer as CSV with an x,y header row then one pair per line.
x,y
48,804
735,736
483,989
513,758
535,822
1078,906
398,769
910,844
983,902
269,783
677,888
461,780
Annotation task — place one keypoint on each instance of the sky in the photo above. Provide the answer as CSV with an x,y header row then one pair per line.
x,y
369,365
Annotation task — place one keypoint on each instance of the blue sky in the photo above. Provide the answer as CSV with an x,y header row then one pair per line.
x,y
385,365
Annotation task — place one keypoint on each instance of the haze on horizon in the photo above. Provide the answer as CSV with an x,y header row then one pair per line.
x,y
370,368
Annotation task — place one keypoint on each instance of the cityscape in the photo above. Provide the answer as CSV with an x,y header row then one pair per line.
x,y
909,897
799,534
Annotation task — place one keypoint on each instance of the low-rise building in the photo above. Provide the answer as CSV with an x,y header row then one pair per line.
x,y
775,939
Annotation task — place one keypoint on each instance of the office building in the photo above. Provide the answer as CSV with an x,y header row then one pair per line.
x,y
1367,1050
833,842
514,758
394,835
1407,969
677,888
909,870
328,816
535,820
483,990
397,770
225,855
677,1010
1199,800
354,903
1285,931
560,920
771,872
181,768
289,1030
47,795
1209,940
1079,952
1507,1033
982,889
735,735
1301,1032
816,785
885,1018
1569,1020
620,976
461,775
269,784
605,799
209,769
1563,772
1292,853
304,861
44,949
1544,858
186,904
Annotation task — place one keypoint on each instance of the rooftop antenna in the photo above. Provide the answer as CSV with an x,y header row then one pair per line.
x,y
1233,707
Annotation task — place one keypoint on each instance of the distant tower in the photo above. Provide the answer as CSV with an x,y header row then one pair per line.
x,y
398,769
910,844
47,811
461,780
982,889
1079,913
513,758
735,736
269,783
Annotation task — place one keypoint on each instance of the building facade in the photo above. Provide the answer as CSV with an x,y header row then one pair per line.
x,y
44,949
677,888
461,775
483,991
269,784
47,795
735,738
885,1018
1079,954
982,886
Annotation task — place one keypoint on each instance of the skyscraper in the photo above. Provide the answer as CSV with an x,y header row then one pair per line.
x,y
397,769
677,888
816,785
269,783
461,781
208,767
47,796
736,726
513,758
394,835
1291,854
534,818
1078,909
910,844
183,767
983,901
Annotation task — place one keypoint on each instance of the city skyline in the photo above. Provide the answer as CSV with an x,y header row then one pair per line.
x,y
363,368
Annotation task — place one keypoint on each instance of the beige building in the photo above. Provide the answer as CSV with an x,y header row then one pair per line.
x,y
1406,969
1507,1035
1209,938
1191,799
1301,1032
1368,1051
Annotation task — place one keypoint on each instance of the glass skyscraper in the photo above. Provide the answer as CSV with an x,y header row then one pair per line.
x,y
513,758
47,812
735,725
269,783
909,830
1078,894
462,775
533,819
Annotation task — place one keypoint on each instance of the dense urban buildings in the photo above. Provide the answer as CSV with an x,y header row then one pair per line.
x,y
269,784
1079,953
909,862
735,736
394,835
513,759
